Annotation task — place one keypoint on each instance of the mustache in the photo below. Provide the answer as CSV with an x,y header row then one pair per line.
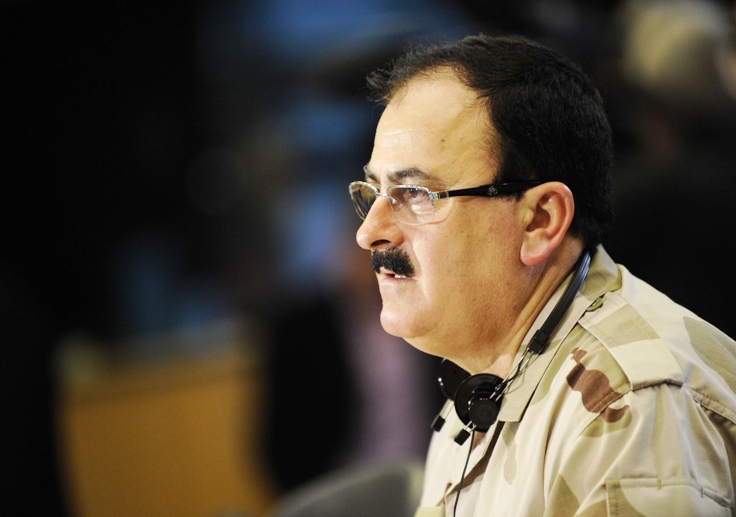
x,y
395,260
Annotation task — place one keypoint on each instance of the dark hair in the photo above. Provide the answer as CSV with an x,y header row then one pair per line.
x,y
549,116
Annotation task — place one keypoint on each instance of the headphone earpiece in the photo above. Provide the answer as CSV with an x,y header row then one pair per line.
x,y
472,396
475,404
450,378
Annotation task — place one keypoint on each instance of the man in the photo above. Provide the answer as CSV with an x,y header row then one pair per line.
x,y
627,406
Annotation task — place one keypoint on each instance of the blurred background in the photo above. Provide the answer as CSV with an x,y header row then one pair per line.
x,y
188,327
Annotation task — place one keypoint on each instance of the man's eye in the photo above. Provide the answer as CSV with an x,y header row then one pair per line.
x,y
413,196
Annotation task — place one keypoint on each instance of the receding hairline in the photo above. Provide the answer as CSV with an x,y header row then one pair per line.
x,y
491,136
399,86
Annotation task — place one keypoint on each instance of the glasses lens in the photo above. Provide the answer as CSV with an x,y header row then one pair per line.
x,y
412,205
363,195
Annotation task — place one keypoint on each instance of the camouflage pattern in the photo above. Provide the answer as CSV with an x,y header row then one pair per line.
x,y
630,411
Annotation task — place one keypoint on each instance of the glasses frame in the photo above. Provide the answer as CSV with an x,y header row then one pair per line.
x,y
489,190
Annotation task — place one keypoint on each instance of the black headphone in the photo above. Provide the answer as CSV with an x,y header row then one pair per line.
x,y
477,398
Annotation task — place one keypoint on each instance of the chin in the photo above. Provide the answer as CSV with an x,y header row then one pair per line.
x,y
393,323
406,327
399,323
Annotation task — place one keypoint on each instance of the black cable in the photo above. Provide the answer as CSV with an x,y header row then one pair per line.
x,y
462,477
541,336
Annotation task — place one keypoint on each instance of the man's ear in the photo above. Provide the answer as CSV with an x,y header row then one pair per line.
x,y
548,213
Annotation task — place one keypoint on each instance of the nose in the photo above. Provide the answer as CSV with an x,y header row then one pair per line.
x,y
380,229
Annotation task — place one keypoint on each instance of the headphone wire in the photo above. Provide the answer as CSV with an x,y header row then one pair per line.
x,y
465,468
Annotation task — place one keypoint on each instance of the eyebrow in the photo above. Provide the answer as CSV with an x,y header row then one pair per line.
x,y
399,177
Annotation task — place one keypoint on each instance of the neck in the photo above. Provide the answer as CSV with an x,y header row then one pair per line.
x,y
539,284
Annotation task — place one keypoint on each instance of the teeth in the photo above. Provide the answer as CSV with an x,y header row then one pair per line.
x,y
399,276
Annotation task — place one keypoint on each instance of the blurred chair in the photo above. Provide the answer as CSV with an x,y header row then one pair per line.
x,y
390,489
175,437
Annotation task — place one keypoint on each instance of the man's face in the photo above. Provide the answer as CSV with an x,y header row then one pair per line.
x,y
464,291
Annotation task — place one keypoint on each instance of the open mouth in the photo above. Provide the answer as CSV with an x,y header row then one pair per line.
x,y
391,274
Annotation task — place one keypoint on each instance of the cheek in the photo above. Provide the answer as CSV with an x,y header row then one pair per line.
x,y
468,263
453,268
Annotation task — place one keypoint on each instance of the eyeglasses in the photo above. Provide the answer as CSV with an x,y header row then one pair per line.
x,y
415,205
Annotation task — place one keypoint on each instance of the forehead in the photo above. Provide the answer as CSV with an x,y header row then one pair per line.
x,y
437,126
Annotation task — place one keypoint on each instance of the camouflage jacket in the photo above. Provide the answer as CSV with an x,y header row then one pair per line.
x,y
630,411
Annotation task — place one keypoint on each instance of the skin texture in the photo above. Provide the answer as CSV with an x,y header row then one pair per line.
x,y
485,269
